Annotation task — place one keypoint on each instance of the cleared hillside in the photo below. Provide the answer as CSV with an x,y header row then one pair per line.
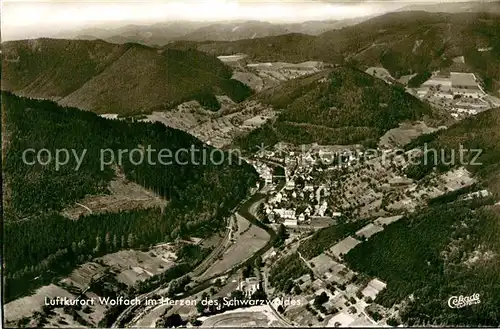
x,y
108,78
338,106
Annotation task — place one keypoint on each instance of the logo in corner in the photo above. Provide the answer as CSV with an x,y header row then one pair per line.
x,y
463,301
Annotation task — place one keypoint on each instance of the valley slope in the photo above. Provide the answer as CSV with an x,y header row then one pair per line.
x,y
109,78
449,247
44,244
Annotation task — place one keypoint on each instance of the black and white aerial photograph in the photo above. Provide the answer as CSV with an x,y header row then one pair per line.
x,y
250,163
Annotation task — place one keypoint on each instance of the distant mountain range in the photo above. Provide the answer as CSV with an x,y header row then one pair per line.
x,y
110,78
155,34
455,7
164,33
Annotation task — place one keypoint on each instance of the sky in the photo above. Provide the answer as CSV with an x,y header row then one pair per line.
x,y
21,17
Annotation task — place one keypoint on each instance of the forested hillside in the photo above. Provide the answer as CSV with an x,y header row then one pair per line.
x,y
402,42
43,244
107,78
478,135
54,68
446,250
338,106
450,248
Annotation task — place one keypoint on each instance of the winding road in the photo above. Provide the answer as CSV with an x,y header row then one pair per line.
x,y
243,209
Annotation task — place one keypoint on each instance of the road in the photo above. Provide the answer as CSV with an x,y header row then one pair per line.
x,y
219,250
199,269
284,321
128,310
244,212
312,269
243,209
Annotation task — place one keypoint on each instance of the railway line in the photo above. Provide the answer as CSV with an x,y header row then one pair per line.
x,y
202,267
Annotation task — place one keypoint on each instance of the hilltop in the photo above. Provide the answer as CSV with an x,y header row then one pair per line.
x,y
108,78
54,68
235,31
456,7
338,106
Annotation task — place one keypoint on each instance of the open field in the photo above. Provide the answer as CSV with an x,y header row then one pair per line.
x,y
134,265
343,318
373,288
322,263
259,76
344,246
369,230
386,220
123,195
231,58
248,240
215,128
26,306
402,135
130,266
81,277
256,316
381,73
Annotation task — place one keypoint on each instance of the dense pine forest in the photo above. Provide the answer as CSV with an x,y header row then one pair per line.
x,y
43,244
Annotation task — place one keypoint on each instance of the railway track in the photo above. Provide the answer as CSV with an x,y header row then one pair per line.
x,y
201,268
